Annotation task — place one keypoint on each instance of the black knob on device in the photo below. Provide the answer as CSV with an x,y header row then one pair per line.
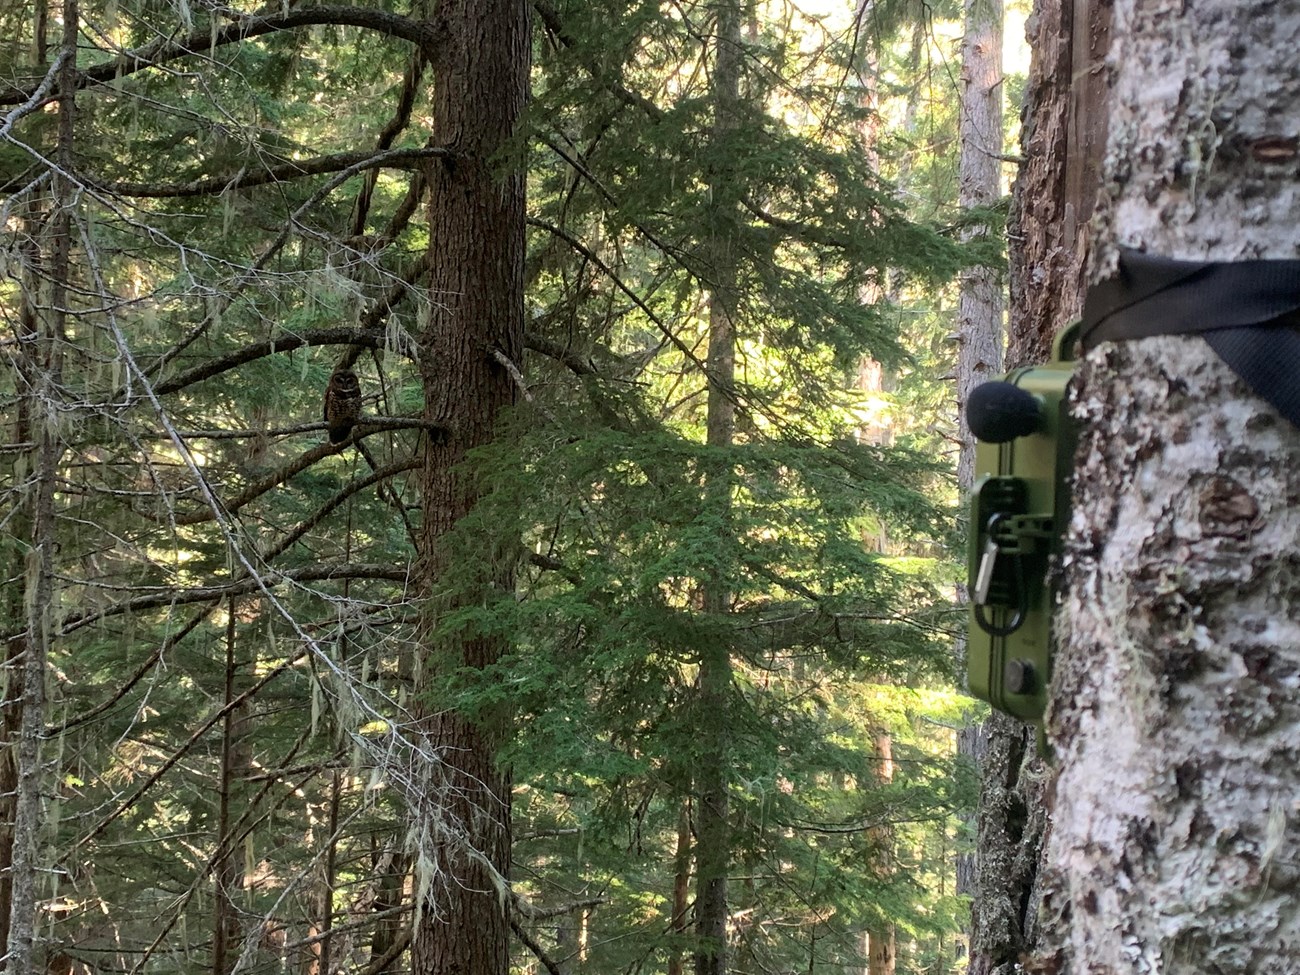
x,y
997,412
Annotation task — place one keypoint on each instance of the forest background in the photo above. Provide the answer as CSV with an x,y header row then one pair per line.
x,y
713,547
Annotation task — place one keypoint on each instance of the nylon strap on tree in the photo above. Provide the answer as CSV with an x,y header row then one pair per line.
x,y
1248,311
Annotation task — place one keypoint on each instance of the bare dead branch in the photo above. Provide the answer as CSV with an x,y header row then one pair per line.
x,y
533,913
389,956
38,96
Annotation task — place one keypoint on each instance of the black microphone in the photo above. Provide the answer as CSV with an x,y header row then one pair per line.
x,y
997,412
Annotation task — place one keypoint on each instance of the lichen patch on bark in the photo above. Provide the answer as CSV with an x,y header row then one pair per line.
x,y
1175,713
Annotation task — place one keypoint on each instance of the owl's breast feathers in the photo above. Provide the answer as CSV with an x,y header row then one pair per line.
x,y
342,404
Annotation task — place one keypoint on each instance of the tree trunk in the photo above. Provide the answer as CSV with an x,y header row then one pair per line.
x,y
713,850
980,304
40,365
1173,712
228,865
1062,142
882,939
476,240
681,889
1062,138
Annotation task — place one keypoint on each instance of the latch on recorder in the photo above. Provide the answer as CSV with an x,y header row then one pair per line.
x,y
1019,508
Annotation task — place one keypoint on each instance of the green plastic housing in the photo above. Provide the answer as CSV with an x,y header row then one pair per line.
x,y
1026,483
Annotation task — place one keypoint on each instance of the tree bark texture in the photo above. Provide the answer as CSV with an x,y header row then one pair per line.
x,y
1062,137
1174,711
980,304
882,939
40,368
476,241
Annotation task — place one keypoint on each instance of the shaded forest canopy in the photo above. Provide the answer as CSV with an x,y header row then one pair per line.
x,y
705,545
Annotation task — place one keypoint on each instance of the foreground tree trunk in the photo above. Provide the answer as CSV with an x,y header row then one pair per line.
x,y
1062,138
1174,711
476,240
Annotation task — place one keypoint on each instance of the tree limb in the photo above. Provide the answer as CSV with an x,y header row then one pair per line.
x,y
203,40
290,169
531,944
198,594
562,354
388,957
285,342
144,668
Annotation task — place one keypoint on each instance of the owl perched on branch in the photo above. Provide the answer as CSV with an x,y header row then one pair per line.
x,y
342,404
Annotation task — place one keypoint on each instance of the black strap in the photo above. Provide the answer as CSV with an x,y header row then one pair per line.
x,y
1248,312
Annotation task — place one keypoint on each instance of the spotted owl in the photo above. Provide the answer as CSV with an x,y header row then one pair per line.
x,y
342,404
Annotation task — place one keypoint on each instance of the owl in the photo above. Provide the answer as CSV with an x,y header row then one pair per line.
x,y
342,404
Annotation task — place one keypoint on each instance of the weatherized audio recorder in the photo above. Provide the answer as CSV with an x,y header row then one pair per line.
x,y
1019,509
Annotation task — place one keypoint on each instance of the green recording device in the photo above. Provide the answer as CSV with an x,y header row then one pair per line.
x,y
1019,510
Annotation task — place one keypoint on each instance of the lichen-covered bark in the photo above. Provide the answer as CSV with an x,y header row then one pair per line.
x,y
1201,161
1175,714
1011,827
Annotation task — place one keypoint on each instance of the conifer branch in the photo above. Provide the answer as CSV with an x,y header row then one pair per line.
x,y
370,424
284,342
126,804
581,365
198,594
387,493
283,172
203,40
140,672
273,480
391,130
532,945
529,910
550,17
377,476
622,286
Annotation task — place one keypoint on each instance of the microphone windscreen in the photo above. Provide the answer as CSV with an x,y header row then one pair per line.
x,y
997,412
